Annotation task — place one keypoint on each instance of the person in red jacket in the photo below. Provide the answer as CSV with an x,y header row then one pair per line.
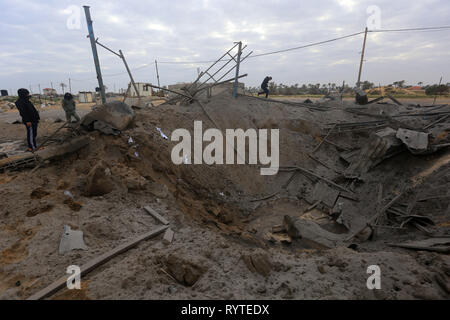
x,y
30,117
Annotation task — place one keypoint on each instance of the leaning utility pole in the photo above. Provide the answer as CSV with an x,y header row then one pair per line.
x,y
157,73
238,62
129,73
435,96
94,53
362,58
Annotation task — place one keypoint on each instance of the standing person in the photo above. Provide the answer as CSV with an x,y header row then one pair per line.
x,y
30,117
68,104
265,86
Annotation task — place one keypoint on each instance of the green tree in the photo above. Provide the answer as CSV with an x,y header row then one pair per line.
x,y
437,89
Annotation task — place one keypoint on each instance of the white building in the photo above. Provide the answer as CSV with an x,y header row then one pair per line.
x,y
144,90
86,97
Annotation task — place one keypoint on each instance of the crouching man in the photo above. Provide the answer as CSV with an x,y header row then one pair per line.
x,y
68,104
30,117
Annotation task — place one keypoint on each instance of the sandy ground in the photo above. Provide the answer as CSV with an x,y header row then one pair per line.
x,y
220,249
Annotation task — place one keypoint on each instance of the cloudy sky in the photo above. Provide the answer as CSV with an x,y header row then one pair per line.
x,y
44,42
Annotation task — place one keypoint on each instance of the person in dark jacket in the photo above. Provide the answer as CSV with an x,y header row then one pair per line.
x,y
30,117
265,86
68,104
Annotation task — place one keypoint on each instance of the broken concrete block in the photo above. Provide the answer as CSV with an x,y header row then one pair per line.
x,y
71,240
168,236
307,229
116,114
417,142
105,128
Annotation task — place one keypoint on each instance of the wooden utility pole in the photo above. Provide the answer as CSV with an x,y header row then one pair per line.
x,y
435,96
362,58
157,73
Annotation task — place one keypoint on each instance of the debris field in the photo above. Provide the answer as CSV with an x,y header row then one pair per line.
x,y
357,186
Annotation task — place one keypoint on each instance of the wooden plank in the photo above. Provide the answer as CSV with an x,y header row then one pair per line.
x,y
98,261
156,215
323,140
375,217
393,99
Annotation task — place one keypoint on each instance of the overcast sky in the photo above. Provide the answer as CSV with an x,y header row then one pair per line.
x,y
41,42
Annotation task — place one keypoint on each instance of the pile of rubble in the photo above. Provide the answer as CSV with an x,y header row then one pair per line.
x,y
357,185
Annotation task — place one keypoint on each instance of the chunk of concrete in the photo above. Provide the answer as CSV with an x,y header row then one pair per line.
x,y
116,114
417,142
307,229
168,236
71,240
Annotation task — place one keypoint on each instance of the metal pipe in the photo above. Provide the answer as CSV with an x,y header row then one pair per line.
x,y
221,68
237,69
94,53
201,74
129,73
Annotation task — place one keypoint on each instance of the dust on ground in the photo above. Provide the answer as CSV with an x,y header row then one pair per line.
x,y
223,215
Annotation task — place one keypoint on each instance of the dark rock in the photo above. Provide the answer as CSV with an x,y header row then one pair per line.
x,y
98,181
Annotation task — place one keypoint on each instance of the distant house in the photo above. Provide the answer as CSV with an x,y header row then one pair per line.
x,y
415,88
86,97
49,92
143,89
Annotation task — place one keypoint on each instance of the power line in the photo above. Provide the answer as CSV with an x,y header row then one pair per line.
x,y
413,29
423,29
308,45
117,74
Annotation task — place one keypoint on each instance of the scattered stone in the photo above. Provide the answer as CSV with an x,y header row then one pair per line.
x,y
185,272
39,193
73,205
158,190
36,211
322,269
278,229
225,217
168,236
98,182
258,263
